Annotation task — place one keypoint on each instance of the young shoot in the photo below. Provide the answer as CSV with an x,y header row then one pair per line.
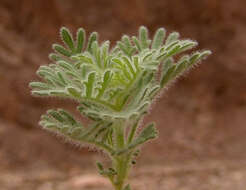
x,y
114,88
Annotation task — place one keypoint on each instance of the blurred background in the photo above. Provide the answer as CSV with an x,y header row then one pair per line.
x,y
201,118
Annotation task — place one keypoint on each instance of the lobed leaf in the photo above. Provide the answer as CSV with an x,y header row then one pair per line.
x,y
146,134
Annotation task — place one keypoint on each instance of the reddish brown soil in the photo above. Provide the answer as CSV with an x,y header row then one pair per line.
x,y
201,118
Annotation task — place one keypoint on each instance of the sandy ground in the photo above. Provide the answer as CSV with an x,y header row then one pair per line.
x,y
206,175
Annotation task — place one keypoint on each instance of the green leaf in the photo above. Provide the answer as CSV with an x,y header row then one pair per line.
x,y
129,65
74,92
61,77
126,41
65,65
105,54
158,38
126,46
172,37
166,65
205,53
67,38
174,50
92,38
91,114
136,63
83,59
198,56
54,57
96,53
40,93
90,130
167,76
143,37
67,116
48,74
154,91
39,85
57,92
106,80
122,69
45,68
90,83
107,76
181,66
137,43
187,44
59,49
62,122
80,40
148,78
55,115
146,134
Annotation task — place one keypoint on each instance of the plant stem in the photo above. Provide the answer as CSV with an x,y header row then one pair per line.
x,y
121,167
119,135
120,162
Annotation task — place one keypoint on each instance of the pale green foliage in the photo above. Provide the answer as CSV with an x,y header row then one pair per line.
x,y
112,86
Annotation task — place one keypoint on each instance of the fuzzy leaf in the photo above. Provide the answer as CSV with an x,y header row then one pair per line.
x,y
106,81
67,38
54,57
92,38
172,37
89,84
143,37
158,38
76,93
59,49
39,85
80,40
167,76
68,117
126,46
198,56
137,43
146,134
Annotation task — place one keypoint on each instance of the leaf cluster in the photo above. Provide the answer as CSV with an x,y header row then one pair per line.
x,y
114,87
111,84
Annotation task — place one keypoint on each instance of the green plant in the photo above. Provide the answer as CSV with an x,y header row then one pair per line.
x,y
114,89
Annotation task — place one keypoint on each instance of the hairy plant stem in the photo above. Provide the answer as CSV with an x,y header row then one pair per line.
x,y
121,165
120,162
